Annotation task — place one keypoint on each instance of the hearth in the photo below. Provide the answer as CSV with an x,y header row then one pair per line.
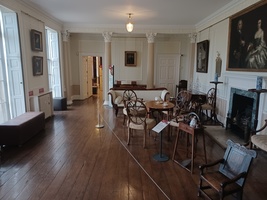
x,y
241,113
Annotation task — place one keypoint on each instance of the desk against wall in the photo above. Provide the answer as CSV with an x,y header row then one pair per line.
x,y
128,86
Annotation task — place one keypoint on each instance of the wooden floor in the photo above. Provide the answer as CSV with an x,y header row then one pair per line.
x,y
71,159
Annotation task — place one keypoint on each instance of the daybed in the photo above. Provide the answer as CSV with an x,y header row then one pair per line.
x,y
145,94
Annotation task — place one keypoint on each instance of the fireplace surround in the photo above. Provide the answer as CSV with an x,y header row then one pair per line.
x,y
242,112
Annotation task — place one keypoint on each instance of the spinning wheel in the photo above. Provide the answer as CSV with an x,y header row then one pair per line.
x,y
183,101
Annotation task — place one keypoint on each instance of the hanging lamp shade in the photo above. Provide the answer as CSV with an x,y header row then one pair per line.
x,y
129,25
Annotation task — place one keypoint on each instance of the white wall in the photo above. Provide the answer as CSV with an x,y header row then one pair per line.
x,y
123,73
215,29
32,19
93,44
217,34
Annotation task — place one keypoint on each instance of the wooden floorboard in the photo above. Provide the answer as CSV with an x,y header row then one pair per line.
x,y
71,159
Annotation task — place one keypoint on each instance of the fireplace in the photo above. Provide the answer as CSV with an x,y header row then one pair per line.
x,y
241,113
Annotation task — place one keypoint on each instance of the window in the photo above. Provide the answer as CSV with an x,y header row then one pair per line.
x,y
53,62
12,98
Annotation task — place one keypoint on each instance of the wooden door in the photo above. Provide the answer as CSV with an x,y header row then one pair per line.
x,y
168,72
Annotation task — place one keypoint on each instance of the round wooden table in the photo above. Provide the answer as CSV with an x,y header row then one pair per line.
x,y
157,105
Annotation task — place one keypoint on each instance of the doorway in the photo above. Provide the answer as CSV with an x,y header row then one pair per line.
x,y
90,76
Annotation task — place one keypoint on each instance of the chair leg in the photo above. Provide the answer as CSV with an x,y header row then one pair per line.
x,y
175,145
124,119
129,135
199,187
116,112
144,143
204,147
240,195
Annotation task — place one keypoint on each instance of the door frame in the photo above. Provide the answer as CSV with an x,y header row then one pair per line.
x,y
81,55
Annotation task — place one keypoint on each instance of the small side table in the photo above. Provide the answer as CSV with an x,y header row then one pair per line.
x,y
193,132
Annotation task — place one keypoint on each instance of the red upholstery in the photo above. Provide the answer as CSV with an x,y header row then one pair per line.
x,y
20,129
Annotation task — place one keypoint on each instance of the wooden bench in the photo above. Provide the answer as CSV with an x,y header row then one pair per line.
x,y
20,129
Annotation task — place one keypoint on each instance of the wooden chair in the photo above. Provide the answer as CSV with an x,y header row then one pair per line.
x,y
138,119
128,95
231,176
209,105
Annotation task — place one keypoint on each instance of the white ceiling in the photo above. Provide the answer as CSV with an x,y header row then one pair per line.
x,y
146,13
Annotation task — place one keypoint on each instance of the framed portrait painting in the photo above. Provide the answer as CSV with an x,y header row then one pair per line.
x,y
37,65
202,56
36,40
247,49
130,58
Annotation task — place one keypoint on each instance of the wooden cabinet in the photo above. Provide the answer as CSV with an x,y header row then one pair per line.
x,y
42,102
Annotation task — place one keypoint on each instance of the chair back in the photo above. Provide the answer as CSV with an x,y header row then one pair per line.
x,y
237,159
137,112
182,85
128,95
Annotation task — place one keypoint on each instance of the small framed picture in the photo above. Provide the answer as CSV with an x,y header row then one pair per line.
x,y
37,65
202,56
130,58
36,40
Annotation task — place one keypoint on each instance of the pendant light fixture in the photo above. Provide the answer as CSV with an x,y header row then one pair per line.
x,y
129,25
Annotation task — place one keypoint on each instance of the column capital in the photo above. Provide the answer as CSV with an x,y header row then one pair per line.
x,y
193,37
151,37
65,35
107,36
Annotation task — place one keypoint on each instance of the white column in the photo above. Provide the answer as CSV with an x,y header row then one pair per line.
x,y
106,64
67,67
193,39
150,59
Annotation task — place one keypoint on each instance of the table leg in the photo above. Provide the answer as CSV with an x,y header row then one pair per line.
x,y
175,145
204,147
193,152
161,157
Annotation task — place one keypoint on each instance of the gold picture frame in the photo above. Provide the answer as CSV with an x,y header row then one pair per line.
x,y
36,40
247,49
37,65
130,58
202,56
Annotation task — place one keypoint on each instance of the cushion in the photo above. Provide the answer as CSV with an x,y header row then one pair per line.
x,y
118,100
164,94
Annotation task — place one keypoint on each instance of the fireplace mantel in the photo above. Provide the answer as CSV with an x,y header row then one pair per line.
x,y
245,82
